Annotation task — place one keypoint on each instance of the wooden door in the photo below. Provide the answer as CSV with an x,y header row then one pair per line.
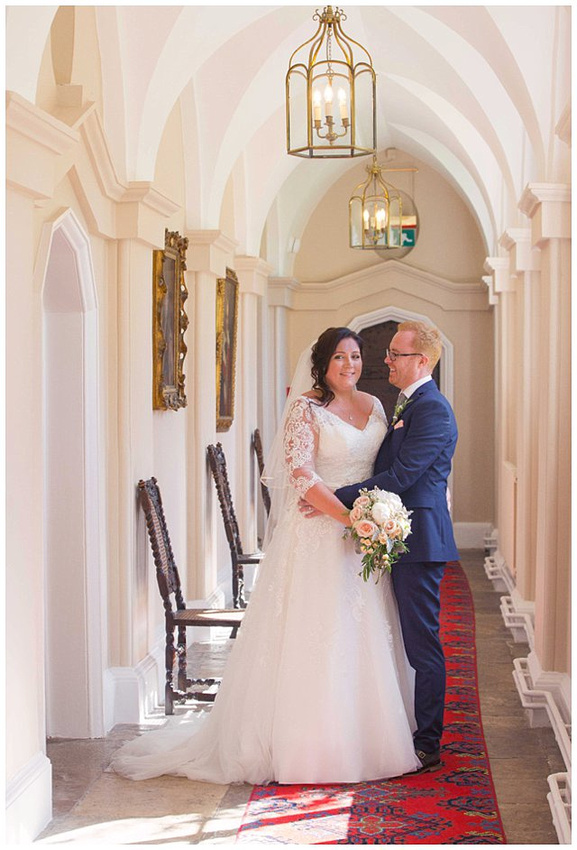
x,y
375,377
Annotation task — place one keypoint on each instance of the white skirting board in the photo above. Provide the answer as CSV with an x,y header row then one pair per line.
x,y
29,801
498,573
559,798
550,707
131,693
545,695
520,623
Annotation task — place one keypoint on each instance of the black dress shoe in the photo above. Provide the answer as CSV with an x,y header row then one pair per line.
x,y
429,761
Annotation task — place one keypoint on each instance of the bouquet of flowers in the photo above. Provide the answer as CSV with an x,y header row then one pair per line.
x,y
380,526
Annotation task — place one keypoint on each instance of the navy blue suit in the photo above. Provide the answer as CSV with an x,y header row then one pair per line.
x,y
415,461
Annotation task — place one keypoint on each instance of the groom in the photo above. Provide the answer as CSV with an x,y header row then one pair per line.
x,y
415,461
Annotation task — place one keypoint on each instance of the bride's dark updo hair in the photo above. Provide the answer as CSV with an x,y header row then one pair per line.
x,y
321,354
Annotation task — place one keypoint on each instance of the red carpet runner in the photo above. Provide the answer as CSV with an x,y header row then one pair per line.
x,y
455,805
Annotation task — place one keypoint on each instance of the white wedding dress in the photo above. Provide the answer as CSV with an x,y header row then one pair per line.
x,y
317,688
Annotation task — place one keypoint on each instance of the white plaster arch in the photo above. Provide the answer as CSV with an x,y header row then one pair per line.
x,y
484,159
484,74
31,32
258,119
75,576
422,145
397,314
468,72
178,57
484,88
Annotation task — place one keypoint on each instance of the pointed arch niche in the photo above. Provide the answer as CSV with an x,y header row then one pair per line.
x,y
396,314
73,516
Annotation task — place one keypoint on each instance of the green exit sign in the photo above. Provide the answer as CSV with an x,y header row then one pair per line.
x,y
409,237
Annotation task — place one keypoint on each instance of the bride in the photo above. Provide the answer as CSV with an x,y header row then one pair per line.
x,y
317,688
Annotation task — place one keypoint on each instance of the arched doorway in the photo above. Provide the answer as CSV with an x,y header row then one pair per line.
x,y
74,571
377,329
375,378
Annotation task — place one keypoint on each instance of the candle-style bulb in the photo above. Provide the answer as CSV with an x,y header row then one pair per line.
x,y
329,101
316,105
343,104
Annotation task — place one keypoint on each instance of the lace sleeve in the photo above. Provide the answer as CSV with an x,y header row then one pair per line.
x,y
300,446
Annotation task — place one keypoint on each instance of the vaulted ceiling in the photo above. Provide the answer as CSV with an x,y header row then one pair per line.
x,y
479,93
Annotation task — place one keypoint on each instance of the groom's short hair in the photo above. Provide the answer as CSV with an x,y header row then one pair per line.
x,y
427,339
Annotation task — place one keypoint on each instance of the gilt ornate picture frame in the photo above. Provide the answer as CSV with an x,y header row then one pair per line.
x,y
226,335
169,322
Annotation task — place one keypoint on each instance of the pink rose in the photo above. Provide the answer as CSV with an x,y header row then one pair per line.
x,y
356,513
393,529
365,528
361,502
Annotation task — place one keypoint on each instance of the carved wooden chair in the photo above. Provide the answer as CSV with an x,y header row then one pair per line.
x,y
218,468
257,448
177,616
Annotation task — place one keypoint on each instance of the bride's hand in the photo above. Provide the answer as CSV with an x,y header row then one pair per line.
x,y
307,510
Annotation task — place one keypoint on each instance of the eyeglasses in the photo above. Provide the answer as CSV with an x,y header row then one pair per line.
x,y
392,355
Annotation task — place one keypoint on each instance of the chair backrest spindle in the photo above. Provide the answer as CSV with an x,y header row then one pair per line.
x,y
257,446
166,570
217,463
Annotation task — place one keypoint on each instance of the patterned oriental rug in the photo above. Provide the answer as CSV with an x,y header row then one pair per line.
x,y
454,805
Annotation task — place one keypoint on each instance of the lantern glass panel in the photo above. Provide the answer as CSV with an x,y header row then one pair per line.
x,y
356,222
297,111
395,223
363,104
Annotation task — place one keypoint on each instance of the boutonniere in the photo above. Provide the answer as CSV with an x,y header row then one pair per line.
x,y
399,424
399,410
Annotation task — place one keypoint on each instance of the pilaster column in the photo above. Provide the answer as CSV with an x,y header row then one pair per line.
x,y
38,148
280,301
503,290
135,451
548,207
524,265
252,274
209,253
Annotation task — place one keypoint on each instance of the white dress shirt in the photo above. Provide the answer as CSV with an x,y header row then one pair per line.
x,y
408,391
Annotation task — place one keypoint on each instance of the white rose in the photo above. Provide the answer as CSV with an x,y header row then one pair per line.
x,y
381,512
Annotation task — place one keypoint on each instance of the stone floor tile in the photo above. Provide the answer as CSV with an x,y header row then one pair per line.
x,y
506,741
523,825
501,704
521,779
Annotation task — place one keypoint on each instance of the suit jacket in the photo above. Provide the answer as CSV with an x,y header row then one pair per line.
x,y
415,461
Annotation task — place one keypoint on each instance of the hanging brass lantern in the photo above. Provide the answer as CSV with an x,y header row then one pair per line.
x,y
331,94
381,216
